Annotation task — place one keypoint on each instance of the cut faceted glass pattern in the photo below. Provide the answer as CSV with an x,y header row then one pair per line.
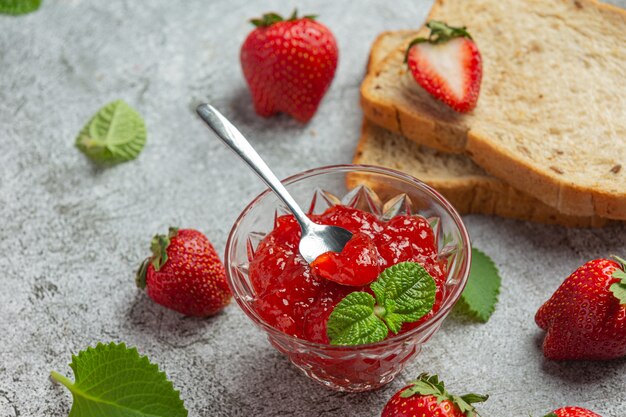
x,y
364,198
398,205
322,200
253,240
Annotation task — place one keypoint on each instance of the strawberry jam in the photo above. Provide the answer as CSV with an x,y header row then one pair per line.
x,y
297,298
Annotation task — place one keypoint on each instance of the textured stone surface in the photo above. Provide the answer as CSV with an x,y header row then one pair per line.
x,y
71,236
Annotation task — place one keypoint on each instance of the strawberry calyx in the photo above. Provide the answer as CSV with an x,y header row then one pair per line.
x,y
158,246
430,385
551,415
440,32
268,19
619,288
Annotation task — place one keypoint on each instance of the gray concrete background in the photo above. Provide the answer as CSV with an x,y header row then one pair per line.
x,y
71,236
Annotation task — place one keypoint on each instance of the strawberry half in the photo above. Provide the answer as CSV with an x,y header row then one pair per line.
x,y
447,65
585,319
288,64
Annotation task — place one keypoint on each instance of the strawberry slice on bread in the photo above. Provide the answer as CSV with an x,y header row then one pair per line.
x,y
447,65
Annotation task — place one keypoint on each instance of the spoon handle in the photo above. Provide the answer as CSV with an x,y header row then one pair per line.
x,y
238,143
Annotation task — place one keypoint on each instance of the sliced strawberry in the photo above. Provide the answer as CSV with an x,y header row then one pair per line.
x,y
447,65
358,263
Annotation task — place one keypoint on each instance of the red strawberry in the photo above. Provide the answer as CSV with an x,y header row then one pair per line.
x,y
288,64
358,263
572,412
586,317
185,274
427,397
447,65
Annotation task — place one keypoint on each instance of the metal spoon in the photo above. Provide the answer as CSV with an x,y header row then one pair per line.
x,y
316,239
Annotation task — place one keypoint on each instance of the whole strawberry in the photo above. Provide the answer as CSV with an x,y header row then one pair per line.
x,y
185,274
427,397
586,317
447,65
572,412
288,64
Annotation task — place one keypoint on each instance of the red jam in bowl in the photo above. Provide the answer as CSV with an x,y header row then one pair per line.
x,y
297,298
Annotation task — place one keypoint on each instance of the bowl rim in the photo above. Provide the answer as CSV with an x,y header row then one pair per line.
x,y
437,317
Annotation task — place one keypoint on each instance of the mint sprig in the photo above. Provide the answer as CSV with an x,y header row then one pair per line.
x,y
404,293
479,298
354,321
113,380
17,7
115,134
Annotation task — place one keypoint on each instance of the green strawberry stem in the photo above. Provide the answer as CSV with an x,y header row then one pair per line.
x,y
158,246
620,260
430,385
140,277
440,32
268,19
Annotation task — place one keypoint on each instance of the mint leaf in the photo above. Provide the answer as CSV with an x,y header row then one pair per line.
x,y
115,134
112,380
17,7
353,321
406,291
480,295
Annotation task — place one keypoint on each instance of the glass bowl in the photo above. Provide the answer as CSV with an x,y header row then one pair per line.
x,y
383,192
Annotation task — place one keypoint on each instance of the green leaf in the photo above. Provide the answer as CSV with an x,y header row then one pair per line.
x,y
480,295
428,385
114,381
115,134
619,291
17,7
353,321
619,288
406,291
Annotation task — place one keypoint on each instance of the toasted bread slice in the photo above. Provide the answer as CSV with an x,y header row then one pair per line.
x,y
467,186
551,115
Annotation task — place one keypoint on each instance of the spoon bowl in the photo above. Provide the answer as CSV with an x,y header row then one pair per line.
x,y
318,239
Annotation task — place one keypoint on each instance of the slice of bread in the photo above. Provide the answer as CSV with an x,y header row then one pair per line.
x,y
456,177
461,181
551,115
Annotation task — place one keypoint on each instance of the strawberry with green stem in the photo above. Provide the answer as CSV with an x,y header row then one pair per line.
x,y
288,64
185,274
427,397
585,319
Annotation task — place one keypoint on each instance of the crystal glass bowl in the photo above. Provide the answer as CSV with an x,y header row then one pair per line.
x,y
381,191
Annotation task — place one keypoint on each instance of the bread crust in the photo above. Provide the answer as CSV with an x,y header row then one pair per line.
x,y
549,187
480,194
